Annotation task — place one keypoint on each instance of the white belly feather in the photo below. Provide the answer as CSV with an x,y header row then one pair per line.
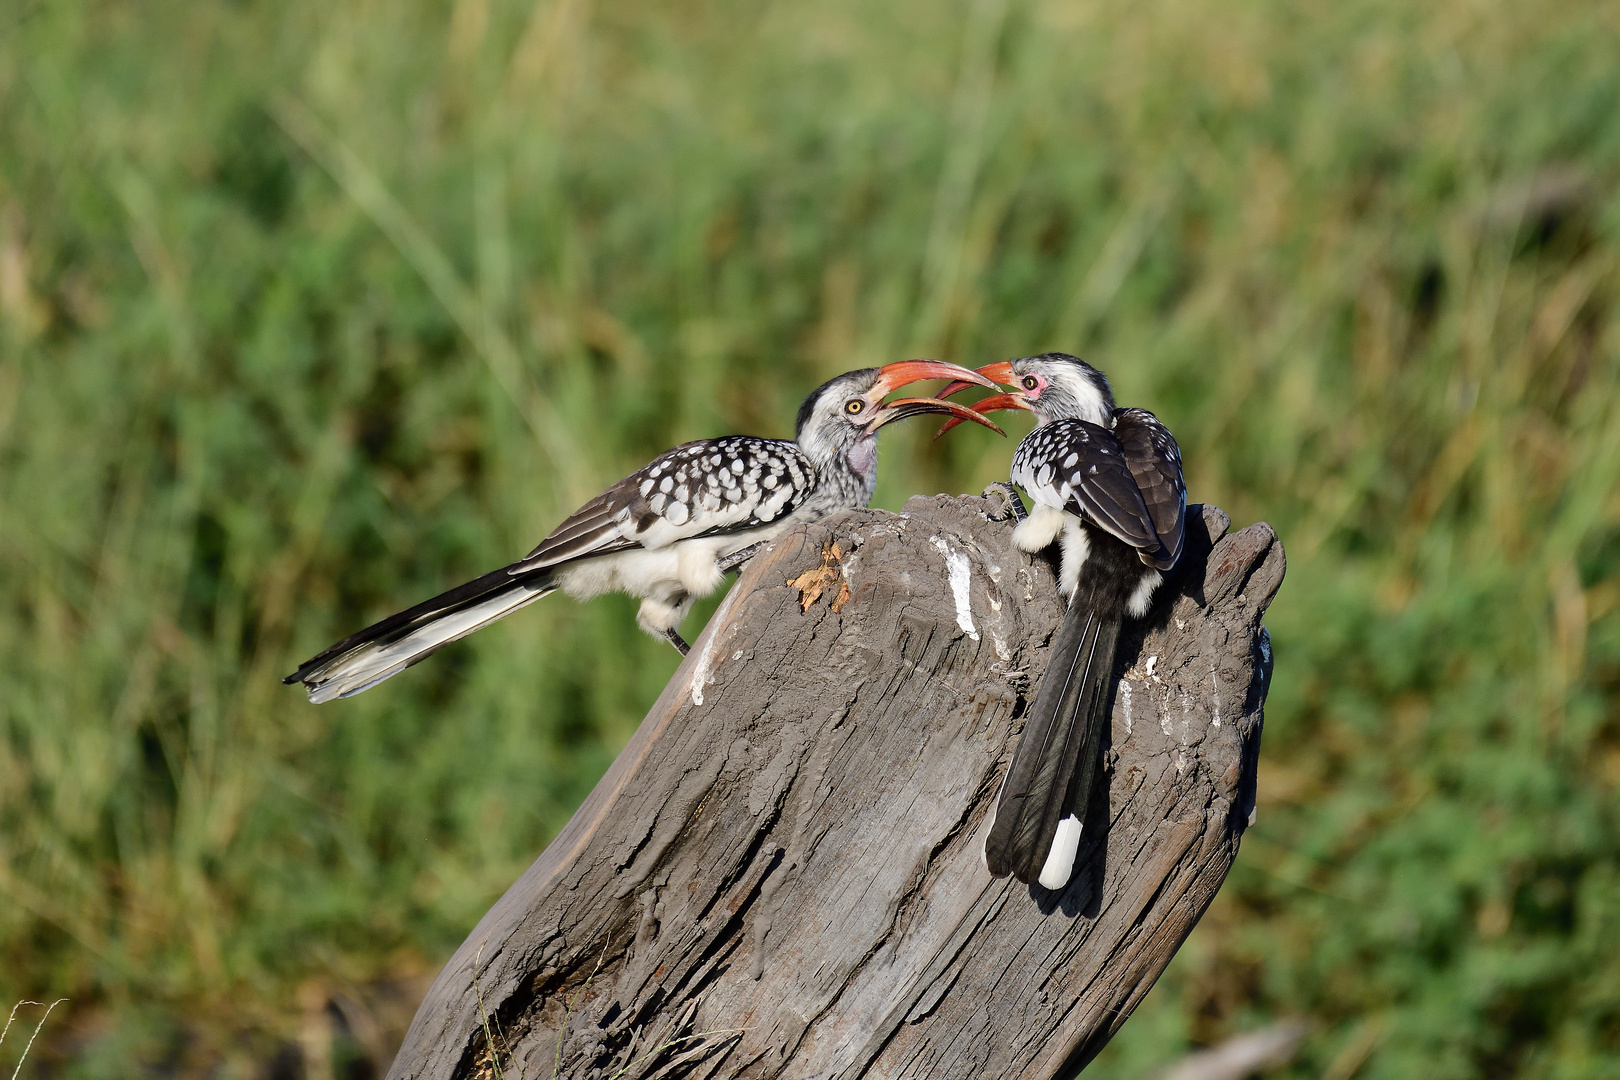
x,y
667,579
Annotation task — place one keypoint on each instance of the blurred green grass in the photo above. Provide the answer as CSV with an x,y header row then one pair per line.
x,y
309,310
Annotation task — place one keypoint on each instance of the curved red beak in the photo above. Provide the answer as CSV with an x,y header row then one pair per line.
x,y
893,376
902,408
1000,372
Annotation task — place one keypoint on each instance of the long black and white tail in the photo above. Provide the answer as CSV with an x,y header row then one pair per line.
x,y
1036,831
384,649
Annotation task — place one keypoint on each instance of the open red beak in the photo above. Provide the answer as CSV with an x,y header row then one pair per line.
x,y
1000,372
902,408
893,376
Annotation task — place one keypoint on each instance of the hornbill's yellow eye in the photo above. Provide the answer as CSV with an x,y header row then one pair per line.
x,y
1030,382
854,405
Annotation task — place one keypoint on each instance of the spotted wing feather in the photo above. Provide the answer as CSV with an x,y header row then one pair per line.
x,y
701,488
1082,468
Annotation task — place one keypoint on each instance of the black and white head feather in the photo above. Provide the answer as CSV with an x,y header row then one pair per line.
x,y
834,431
833,417
1064,387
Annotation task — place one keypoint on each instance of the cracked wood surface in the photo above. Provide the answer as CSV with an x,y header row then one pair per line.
x,y
781,874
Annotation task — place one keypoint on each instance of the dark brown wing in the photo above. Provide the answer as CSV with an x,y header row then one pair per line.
x,y
1080,467
1155,461
701,488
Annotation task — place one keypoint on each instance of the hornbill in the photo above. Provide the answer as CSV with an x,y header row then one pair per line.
x,y
669,531
1107,488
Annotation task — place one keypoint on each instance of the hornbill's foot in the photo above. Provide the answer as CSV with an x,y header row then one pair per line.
x,y
675,639
1011,505
740,556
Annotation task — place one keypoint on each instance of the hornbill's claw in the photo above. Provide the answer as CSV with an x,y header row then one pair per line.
x,y
740,556
679,642
1012,505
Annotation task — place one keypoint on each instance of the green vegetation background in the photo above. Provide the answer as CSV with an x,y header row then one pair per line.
x,y
309,310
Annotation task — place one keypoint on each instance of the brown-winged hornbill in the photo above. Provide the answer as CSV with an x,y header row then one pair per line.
x,y
669,531
1108,488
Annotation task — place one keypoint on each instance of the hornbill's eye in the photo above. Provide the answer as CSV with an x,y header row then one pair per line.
x,y
854,405
1030,382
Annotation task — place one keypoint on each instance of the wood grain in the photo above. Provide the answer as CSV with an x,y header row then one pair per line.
x,y
781,874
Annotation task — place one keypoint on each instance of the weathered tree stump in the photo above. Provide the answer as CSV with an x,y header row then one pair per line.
x,y
781,875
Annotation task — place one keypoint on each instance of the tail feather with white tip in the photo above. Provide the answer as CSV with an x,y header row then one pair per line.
x,y
1041,808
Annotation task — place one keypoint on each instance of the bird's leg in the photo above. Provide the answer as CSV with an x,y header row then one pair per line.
x,y
730,562
673,636
1012,505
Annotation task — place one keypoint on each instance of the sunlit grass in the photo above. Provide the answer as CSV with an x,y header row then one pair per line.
x,y
11,1018
308,311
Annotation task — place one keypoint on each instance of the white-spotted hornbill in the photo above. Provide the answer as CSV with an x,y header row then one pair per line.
x,y
1107,487
669,531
